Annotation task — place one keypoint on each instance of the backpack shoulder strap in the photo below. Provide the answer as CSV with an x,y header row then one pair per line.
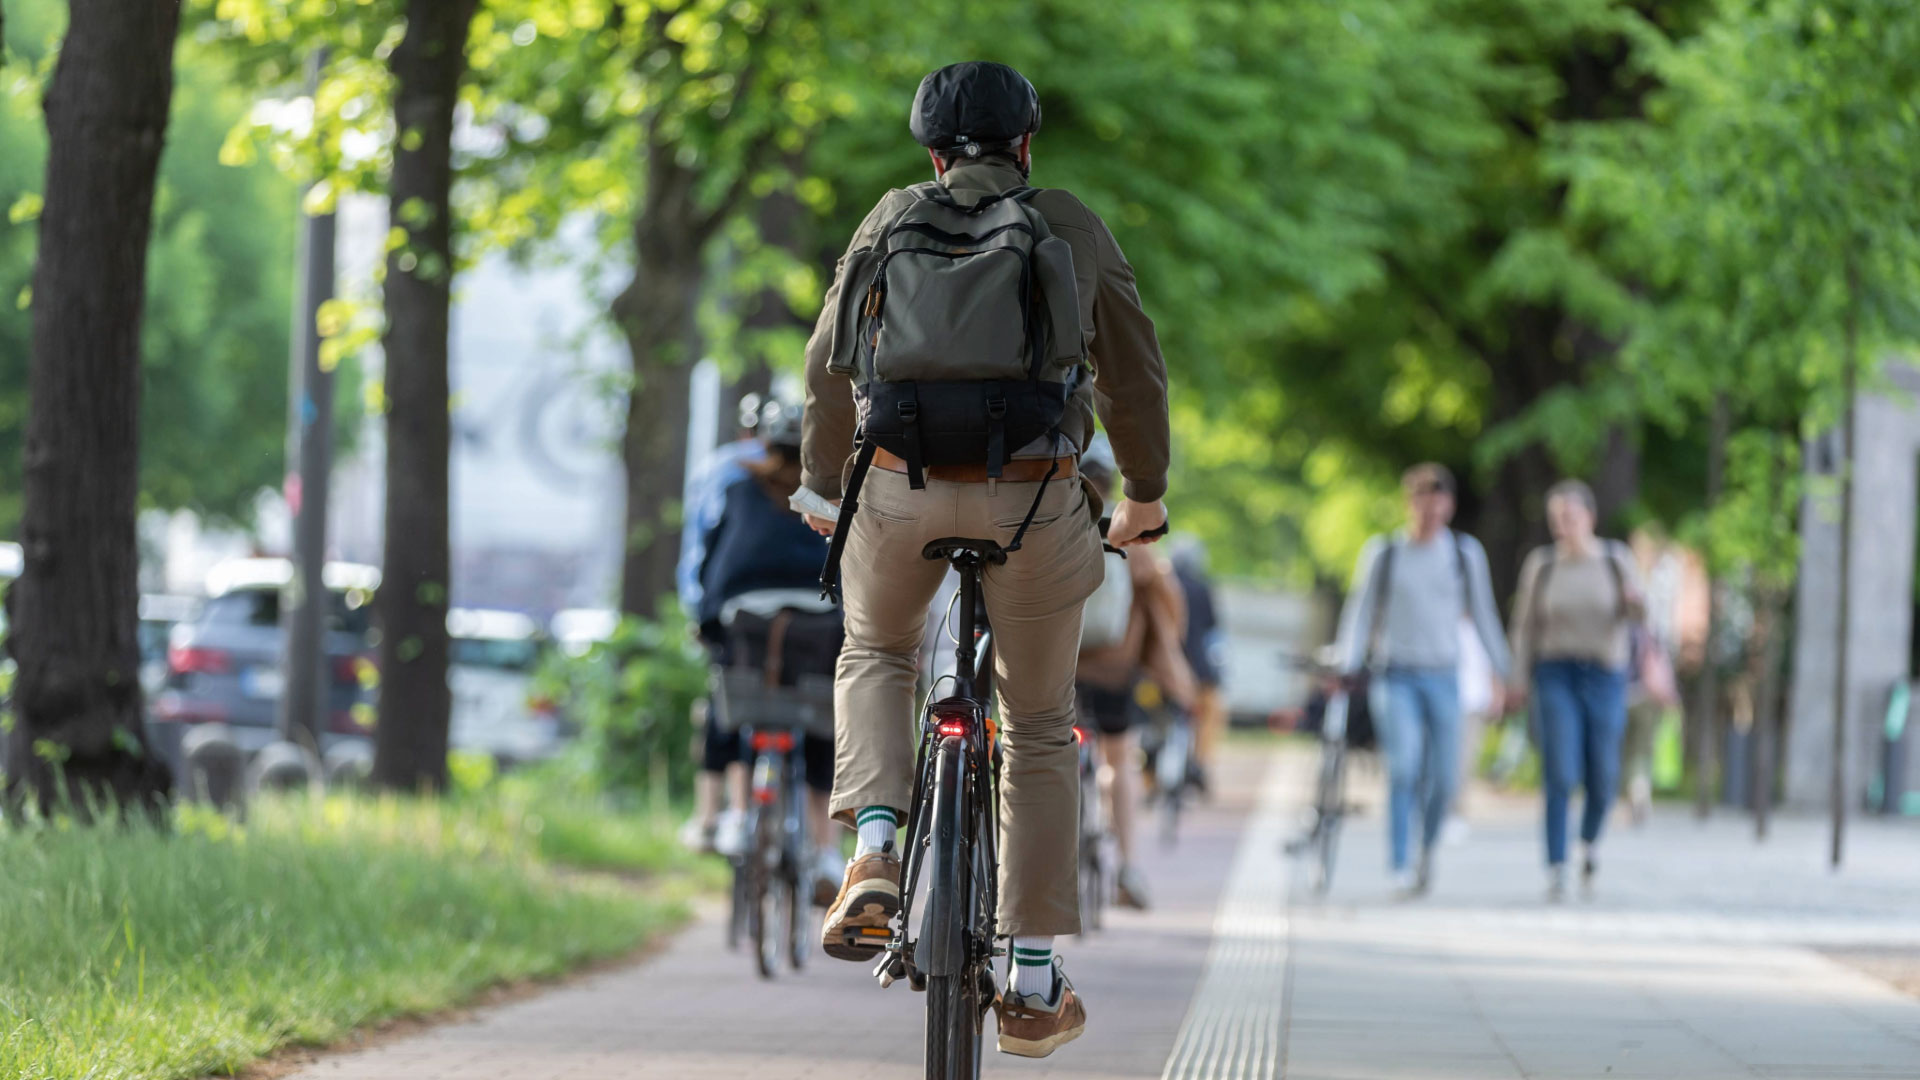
x,y
1610,551
1466,576
1539,597
849,505
1380,584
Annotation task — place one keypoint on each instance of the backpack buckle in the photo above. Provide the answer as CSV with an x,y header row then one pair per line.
x,y
997,408
909,410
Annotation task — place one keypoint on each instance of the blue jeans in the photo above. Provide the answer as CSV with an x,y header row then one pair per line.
x,y
1582,710
1417,711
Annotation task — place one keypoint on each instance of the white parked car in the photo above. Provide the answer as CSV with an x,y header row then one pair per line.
x,y
491,665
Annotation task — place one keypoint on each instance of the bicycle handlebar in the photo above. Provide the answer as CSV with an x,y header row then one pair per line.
x,y
1150,535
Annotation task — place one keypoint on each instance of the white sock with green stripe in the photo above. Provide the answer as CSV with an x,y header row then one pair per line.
x,y
1033,966
878,827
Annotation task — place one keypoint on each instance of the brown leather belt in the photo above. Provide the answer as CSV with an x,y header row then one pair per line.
x,y
1021,470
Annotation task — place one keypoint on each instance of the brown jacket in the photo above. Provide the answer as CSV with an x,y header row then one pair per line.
x,y
1129,385
1156,629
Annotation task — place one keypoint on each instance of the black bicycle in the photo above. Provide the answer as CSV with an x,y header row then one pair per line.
x,y
774,873
1321,841
952,857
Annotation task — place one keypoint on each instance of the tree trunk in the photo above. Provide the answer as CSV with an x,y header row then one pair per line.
x,y
415,703
656,314
79,726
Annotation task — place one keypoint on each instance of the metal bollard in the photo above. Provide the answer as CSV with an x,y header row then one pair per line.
x,y
214,767
348,764
284,766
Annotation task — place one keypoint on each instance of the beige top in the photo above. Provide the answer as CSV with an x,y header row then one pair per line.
x,y
1580,614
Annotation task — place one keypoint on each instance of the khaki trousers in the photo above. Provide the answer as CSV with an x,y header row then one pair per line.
x,y
1034,604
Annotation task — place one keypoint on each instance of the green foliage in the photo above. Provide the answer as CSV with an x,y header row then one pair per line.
x,y
135,952
213,413
1763,203
632,697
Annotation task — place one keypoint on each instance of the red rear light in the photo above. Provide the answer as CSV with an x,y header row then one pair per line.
x,y
1079,734
188,659
956,728
773,740
764,795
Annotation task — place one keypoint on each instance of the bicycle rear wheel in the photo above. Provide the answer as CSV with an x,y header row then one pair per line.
x,y
943,951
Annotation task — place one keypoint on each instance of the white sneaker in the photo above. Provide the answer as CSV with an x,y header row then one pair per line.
x,y
1405,884
697,836
730,833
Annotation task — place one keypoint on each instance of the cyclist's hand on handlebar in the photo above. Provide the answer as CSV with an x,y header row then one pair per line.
x,y
1136,523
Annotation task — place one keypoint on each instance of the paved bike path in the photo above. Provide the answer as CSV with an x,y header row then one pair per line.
x,y
697,1012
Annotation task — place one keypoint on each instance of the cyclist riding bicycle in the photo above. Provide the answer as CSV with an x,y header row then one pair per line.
x,y
753,543
963,340
1143,637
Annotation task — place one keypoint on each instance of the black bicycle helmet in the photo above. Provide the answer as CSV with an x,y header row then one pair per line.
x,y
972,107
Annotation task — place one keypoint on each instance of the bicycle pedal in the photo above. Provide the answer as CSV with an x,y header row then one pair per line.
x,y
889,970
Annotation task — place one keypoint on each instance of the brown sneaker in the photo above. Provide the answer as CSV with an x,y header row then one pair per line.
x,y
1030,1027
858,920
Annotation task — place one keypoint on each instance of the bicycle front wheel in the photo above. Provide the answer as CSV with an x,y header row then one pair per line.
x,y
1331,809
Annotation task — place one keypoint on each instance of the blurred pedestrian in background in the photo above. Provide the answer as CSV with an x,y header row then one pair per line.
x,y
1578,601
1133,628
1401,625
1202,648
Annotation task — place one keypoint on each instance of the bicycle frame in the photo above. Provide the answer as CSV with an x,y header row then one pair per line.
x,y
955,724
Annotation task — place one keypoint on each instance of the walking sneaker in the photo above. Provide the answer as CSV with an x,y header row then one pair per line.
x,y
1589,869
858,920
1034,1026
1406,884
1130,890
1556,883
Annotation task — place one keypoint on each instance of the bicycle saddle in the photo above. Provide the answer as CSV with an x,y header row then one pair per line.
x,y
948,548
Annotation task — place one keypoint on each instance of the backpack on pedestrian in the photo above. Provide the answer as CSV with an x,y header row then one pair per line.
x,y
1104,620
960,329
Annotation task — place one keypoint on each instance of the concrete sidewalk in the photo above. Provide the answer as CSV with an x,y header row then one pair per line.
x,y
1692,962
1689,961
697,1012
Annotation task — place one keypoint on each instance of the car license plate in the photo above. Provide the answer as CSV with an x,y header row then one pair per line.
x,y
261,682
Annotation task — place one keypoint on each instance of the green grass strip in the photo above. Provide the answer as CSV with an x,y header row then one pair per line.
x,y
130,953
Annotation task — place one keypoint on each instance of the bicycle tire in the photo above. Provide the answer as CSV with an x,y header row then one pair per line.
x,y
763,932
953,991
737,907
799,941
1331,808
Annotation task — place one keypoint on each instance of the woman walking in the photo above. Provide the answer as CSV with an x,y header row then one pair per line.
x,y
1578,600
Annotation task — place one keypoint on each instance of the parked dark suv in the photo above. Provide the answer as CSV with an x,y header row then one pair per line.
x,y
224,665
